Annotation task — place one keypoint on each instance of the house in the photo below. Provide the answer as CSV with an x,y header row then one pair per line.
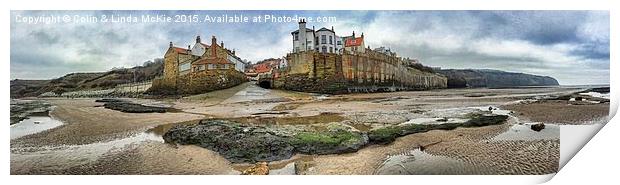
x,y
200,68
323,40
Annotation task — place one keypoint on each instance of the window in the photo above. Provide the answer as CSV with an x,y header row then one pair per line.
x,y
185,66
296,49
323,39
211,66
331,50
296,36
324,49
339,42
330,40
316,40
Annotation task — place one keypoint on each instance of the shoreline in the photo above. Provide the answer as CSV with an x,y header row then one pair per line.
x,y
468,145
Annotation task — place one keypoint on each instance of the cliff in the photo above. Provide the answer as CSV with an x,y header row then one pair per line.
x,y
87,81
459,78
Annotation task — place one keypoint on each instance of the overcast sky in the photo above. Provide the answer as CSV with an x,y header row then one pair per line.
x,y
571,46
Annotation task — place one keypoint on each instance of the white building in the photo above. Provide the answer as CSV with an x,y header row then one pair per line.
x,y
323,40
304,40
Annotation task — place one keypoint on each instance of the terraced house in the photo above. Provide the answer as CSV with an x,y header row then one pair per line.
x,y
324,62
199,68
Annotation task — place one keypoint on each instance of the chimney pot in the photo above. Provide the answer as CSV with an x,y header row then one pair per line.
x,y
198,39
170,44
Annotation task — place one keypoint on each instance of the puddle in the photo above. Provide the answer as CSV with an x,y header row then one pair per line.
x,y
523,132
417,162
160,130
325,117
33,125
432,121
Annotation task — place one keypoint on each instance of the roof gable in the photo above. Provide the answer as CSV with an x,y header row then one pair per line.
x,y
353,41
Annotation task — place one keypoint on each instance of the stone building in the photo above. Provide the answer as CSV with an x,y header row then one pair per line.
x,y
199,69
354,68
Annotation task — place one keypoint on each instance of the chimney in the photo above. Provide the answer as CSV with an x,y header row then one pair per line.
x,y
233,52
354,34
189,47
170,44
213,48
362,34
333,29
302,35
198,39
222,44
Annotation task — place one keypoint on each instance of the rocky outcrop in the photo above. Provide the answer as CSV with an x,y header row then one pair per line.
x,y
21,109
243,143
130,107
460,78
235,142
537,127
390,133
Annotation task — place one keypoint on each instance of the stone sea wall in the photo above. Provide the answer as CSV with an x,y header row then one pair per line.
x,y
198,82
368,72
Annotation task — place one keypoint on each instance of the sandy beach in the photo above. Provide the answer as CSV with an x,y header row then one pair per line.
x,y
126,143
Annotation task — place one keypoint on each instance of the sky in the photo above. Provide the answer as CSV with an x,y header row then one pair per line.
x,y
571,46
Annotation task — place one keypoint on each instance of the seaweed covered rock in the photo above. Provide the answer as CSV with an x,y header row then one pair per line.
x,y
129,107
390,133
332,142
235,142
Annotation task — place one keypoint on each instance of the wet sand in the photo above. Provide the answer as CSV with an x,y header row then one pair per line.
x,y
561,112
86,124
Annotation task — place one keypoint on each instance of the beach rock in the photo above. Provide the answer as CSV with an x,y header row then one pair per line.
x,y
235,142
259,168
22,109
129,107
332,142
537,127
106,100
388,134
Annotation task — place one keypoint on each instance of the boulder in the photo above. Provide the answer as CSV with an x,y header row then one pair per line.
x,y
537,127
129,107
235,142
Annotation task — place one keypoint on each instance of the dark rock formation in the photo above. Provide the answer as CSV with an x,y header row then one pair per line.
x,y
389,134
235,142
21,109
460,78
537,127
106,100
129,107
242,143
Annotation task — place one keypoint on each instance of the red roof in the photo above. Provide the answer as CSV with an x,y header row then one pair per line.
x,y
353,42
262,68
180,50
